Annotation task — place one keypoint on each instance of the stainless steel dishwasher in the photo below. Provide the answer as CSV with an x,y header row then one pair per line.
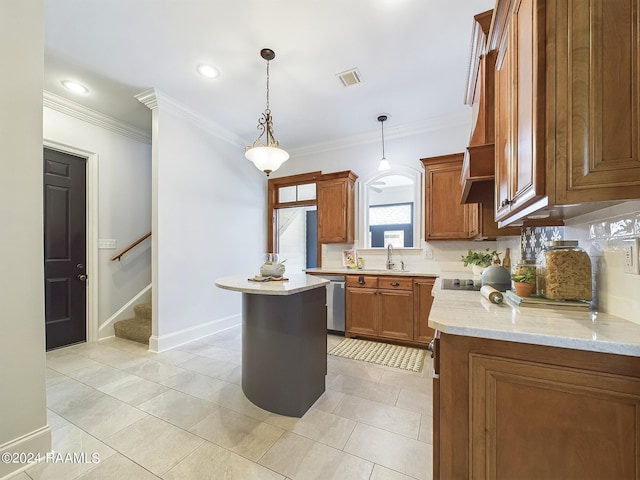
x,y
335,303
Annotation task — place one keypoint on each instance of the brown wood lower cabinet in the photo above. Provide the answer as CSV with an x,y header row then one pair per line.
x,y
511,410
389,307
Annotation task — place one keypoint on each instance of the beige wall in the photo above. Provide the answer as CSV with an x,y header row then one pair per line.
x,y
23,420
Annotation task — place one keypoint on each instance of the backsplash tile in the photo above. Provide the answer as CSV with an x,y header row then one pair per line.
x,y
622,226
535,239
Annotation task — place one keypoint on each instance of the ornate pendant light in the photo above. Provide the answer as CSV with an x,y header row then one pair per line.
x,y
384,163
268,156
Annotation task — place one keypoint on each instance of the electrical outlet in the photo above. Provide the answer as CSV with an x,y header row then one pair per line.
x,y
106,243
631,258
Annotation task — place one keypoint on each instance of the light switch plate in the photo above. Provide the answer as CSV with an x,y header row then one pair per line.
x,y
631,258
107,243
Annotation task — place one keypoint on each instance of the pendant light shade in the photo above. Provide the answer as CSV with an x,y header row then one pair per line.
x,y
267,157
384,163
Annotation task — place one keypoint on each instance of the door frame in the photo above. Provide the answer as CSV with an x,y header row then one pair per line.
x,y
91,202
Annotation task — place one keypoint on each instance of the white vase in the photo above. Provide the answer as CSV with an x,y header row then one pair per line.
x,y
477,270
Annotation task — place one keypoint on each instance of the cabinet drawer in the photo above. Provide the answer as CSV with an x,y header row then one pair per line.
x,y
362,281
395,283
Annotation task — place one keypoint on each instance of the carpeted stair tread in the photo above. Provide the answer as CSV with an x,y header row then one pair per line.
x,y
142,310
136,329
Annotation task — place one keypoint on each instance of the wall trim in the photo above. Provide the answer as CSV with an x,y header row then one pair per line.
x,y
162,343
155,99
73,109
93,187
105,330
432,124
37,441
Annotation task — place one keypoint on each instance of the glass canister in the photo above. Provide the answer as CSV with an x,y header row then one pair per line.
x,y
565,271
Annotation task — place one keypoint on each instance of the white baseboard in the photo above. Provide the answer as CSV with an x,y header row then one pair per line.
x,y
166,342
38,441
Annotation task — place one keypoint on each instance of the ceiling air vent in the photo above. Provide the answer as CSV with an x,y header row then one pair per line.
x,y
350,77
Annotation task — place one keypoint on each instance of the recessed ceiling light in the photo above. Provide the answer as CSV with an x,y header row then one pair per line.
x,y
75,87
208,71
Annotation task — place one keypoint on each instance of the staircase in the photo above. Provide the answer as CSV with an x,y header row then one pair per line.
x,y
138,328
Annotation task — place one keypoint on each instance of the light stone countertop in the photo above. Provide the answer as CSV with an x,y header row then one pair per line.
x,y
468,313
295,283
365,271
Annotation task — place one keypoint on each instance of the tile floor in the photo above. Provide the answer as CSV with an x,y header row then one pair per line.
x,y
182,415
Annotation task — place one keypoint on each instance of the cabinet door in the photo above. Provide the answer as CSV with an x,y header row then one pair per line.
x,y
423,300
396,314
535,420
334,195
597,104
361,311
445,217
504,155
520,122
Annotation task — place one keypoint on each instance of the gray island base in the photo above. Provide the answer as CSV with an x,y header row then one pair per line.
x,y
284,342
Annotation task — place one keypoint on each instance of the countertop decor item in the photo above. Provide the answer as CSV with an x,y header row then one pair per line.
x,y
272,267
491,294
524,278
349,259
496,276
479,260
566,271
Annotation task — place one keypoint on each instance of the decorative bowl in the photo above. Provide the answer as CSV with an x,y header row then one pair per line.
x,y
272,270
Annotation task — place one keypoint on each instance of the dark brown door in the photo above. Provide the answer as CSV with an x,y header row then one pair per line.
x,y
65,248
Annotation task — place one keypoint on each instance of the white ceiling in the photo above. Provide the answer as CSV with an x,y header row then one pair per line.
x,y
412,54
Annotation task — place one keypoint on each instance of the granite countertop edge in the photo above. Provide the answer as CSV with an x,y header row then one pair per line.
x,y
467,313
294,283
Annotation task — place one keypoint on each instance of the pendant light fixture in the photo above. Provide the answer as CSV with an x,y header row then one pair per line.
x,y
384,163
268,156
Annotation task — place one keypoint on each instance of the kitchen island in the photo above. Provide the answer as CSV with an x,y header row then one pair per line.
x,y
284,341
524,392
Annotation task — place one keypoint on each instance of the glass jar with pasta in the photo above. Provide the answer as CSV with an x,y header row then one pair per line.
x,y
565,272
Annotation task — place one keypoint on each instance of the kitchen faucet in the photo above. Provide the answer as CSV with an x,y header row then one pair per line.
x,y
390,264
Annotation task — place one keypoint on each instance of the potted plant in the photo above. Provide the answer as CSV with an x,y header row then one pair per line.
x,y
524,280
479,260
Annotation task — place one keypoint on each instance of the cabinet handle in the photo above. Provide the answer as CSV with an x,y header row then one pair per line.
x,y
395,284
505,202
360,280
430,348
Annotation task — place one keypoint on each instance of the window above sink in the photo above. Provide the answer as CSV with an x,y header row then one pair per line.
x,y
390,212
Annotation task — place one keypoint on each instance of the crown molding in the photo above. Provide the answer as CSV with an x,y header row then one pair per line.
x,y
432,124
73,109
155,99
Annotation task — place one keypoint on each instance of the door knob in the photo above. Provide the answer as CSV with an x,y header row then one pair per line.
x,y
82,277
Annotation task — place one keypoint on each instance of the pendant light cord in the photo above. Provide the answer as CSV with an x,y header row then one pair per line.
x,y
382,123
268,86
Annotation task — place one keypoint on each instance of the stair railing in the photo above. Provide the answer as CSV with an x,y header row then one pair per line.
x,y
140,240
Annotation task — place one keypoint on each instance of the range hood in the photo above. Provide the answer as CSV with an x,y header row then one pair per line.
x,y
478,167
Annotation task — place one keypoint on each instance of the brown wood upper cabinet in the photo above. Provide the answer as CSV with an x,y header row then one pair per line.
x,y
479,158
335,197
445,217
567,106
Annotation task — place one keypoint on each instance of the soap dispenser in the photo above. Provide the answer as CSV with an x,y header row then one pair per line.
x,y
496,276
